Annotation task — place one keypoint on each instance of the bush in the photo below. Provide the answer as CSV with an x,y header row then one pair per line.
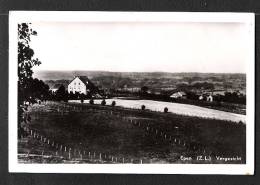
x,y
113,103
165,110
103,102
240,123
91,101
143,107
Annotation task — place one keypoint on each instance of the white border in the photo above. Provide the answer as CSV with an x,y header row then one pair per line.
x,y
16,17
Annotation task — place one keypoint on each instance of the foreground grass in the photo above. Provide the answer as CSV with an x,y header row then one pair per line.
x,y
123,132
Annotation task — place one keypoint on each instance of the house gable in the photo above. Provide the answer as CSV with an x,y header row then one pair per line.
x,y
77,85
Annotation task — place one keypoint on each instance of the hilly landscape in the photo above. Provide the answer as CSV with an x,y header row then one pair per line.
x,y
153,80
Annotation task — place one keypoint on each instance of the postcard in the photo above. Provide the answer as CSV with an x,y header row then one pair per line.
x,y
131,92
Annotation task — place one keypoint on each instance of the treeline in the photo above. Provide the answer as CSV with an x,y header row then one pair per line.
x,y
35,90
62,95
191,97
32,90
228,97
197,85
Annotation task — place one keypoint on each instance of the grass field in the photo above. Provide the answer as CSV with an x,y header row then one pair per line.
x,y
134,134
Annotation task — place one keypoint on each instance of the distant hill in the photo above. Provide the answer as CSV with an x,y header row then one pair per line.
x,y
61,75
153,80
67,75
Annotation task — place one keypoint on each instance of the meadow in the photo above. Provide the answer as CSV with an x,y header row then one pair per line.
x,y
132,134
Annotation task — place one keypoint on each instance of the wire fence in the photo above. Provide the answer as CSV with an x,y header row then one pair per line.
x,y
67,153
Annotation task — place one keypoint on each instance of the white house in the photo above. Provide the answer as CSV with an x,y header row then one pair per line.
x,y
206,97
55,87
210,98
179,94
200,97
80,84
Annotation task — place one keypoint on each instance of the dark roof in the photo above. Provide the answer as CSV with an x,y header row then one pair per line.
x,y
84,79
180,92
57,86
183,93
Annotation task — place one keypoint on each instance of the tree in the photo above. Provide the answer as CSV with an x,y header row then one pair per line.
x,y
25,54
61,94
91,101
26,62
37,89
144,90
103,102
113,103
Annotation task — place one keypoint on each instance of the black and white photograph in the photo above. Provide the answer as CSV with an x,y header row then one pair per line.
x,y
131,92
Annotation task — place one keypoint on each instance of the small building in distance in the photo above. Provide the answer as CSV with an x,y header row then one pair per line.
x,y
55,87
210,98
201,97
179,94
81,84
206,97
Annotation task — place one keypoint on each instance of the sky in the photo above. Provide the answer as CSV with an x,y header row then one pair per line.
x,y
140,46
